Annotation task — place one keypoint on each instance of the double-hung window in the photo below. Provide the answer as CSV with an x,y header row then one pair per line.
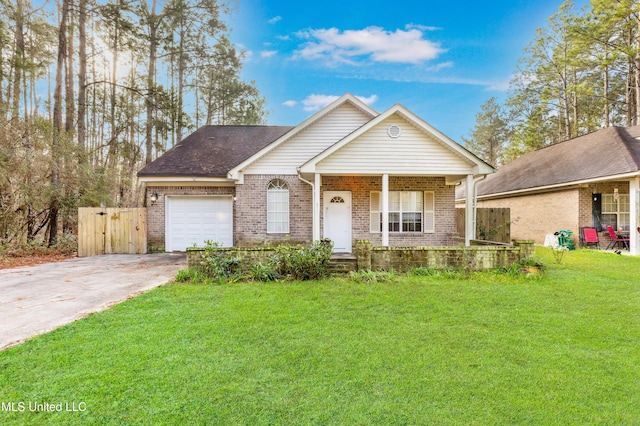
x,y
278,207
616,212
409,211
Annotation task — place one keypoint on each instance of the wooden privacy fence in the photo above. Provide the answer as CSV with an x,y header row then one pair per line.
x,y
492,224
112,230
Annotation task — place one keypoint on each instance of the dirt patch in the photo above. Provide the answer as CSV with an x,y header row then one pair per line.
x,y
9,260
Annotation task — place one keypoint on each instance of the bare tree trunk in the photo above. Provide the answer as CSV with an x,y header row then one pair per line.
x,y
151,78
54,203
607,112
18,58
82,78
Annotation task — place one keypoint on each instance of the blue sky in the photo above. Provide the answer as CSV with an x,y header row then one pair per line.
x,y
440,59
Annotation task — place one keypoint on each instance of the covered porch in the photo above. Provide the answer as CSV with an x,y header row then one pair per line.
x,y
389,210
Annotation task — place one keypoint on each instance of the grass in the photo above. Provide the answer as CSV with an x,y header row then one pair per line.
x,y
482,349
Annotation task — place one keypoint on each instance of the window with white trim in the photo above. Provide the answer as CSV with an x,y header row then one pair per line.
x,y
615,212
409,211
277,207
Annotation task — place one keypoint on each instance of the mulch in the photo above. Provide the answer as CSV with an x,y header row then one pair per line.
x,y
14,260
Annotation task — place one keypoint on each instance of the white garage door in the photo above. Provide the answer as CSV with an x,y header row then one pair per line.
x,y
195,219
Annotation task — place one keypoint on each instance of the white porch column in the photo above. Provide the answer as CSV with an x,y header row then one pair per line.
x,y
634,235
469,229
316,207
385,210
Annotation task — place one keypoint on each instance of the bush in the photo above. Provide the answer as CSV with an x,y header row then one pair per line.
x,y
263,272
193,276
219,264
299,263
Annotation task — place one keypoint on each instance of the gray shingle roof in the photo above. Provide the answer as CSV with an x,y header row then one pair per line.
x,y
607,152
211,151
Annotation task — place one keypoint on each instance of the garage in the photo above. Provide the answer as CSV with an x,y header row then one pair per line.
x,y
195,219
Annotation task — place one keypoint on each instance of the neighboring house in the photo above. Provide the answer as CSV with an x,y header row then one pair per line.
x,y
346,173
588,181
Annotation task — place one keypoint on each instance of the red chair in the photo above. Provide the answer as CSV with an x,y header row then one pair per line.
x,y
616,239
590,236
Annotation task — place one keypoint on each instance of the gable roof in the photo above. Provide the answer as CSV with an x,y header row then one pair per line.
x,y
444,141
609,152
346,98
211,151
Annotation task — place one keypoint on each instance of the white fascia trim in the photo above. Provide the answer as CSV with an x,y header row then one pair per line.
x,y
559,185
348,97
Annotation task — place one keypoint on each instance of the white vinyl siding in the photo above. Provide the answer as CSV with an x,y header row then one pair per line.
x,y
286,158
415,152
409,211
277,207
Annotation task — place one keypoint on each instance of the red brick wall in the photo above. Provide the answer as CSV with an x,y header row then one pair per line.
x,y
361,186
250,209
156,211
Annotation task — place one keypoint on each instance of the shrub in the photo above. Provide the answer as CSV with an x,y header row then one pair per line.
x,y
299,263
263,272
193,276
219,264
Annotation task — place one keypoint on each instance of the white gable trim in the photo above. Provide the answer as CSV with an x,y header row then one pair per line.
x,y
236,172
480,167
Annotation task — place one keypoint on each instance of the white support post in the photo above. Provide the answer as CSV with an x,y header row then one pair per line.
x,y
316,207
385,210
469,229
634,235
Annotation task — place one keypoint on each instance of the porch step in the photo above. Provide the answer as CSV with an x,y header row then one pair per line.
x,y
343,263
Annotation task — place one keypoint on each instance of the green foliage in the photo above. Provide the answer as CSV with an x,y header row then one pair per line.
x,y
368,276
192,276
263,272
219,265
303,263
490,134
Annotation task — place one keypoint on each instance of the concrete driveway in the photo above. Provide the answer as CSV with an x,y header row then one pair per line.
x,y
37,299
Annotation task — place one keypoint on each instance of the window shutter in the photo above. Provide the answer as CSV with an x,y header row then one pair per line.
x,y
374,211
429,212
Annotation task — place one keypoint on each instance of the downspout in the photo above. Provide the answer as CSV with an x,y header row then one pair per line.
x,y
313,206
476,181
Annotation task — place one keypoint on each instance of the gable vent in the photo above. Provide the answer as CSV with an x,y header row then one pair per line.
x,y
394,131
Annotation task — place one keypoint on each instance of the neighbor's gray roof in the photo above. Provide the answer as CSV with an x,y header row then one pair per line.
x,y
607,152
211,151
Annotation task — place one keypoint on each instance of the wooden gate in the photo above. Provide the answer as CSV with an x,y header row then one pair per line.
x,y
492,224
112,230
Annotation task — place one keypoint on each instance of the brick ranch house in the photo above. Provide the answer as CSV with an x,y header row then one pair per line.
x,y
346,173
589,181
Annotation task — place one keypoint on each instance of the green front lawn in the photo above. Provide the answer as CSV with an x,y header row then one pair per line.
x,y
488,349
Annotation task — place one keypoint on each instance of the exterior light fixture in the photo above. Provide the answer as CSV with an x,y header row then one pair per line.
x,y
154,197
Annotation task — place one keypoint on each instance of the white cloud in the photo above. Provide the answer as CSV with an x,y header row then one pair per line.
x,y
421,27
440,66
315,102
374,43
290,103
274,20
268,53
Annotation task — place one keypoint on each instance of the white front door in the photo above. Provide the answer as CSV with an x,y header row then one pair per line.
x,y
337,220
